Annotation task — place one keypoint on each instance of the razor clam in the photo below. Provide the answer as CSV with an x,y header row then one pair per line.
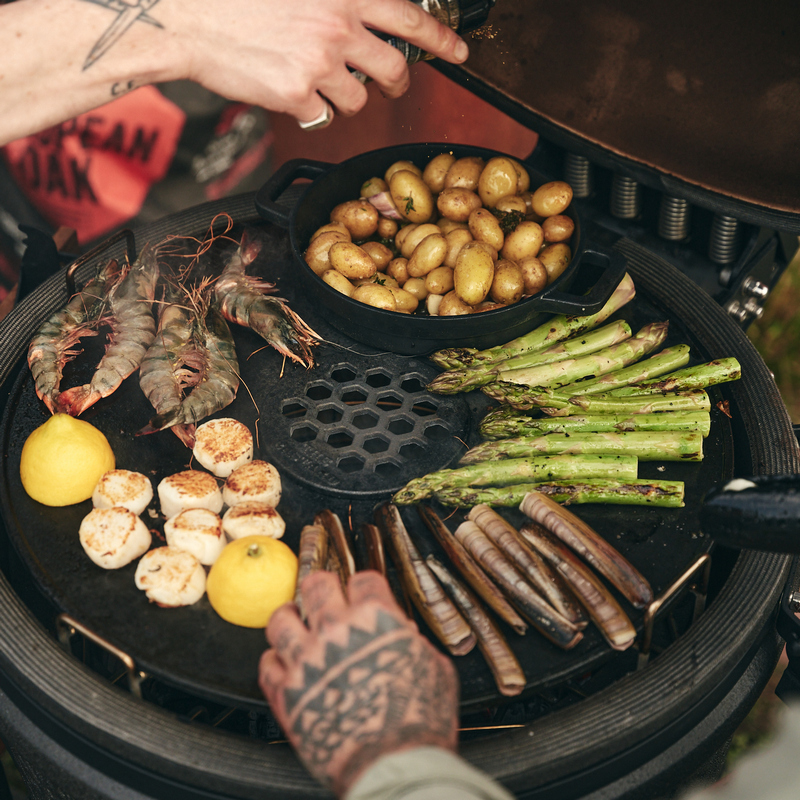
x,y
505,667
587,543
539,573
312,556
530,604
438,611
604,610
471,571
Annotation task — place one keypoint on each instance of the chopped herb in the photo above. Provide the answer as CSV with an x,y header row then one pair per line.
x,y
509,220
409,204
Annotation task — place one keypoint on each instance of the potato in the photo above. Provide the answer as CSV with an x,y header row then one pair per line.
x,y
508,285
411,195
488,248
405,302
558,228
360,217
485,227
416,286
523,179
488,305
448,225
498,179
317,253
555,257
410,242
337,227
512,202
551,198
401,234
435,171
427,255
373,186
456,239
464,173
452,305
457,204
387,228
379,253
373,294
397,166
534,275
524,241
473,274
335,278
352,261
440,280
398,269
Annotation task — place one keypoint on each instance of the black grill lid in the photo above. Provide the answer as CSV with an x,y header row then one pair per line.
x,y
699,99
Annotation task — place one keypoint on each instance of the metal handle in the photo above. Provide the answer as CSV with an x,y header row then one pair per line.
x,y
281,180
67,626
613,267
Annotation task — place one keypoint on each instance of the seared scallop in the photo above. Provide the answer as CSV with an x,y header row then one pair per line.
x,y
197,531
252,518
113,537
170,577
189,489
222,445
258,481
121,487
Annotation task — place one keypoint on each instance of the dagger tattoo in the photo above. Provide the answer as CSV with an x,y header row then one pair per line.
x,y
127,14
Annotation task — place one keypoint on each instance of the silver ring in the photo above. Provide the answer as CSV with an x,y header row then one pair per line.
x,y
322,121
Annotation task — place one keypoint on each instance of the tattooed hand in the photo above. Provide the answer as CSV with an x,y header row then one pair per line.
x,y
358,682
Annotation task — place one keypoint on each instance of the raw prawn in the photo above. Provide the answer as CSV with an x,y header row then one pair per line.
x,y
133,329
193,350
55,342
242,299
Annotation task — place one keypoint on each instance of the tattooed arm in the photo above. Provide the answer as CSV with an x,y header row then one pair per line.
x,y
67,57
359,682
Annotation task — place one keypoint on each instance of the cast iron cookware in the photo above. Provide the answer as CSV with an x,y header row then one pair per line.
x,y
194,649
582,288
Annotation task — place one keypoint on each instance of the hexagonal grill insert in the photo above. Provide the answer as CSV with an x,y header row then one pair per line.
x,y
362,429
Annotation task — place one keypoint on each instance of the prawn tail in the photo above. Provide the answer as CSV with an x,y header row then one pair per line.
x,y
160,422
186,433
76,400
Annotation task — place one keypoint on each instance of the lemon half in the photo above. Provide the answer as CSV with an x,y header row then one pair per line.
x,y
252,577
63,459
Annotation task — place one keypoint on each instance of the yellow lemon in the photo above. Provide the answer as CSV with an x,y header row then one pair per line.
x,y
250,579
63,460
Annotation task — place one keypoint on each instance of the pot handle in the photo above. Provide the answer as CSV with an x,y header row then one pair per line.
x,y
613,266
279,182
757,513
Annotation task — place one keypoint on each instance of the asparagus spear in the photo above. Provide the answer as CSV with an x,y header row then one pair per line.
x,y
463,380
609,359
667,361
519,470
555,330
646,446
668,494
700,377
506,426
696,400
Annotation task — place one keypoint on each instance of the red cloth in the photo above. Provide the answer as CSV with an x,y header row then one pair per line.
x,y
93,173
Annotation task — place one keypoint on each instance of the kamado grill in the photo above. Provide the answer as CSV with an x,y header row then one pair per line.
x,y
105,696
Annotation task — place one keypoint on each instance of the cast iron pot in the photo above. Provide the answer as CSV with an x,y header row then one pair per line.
x,y
583,288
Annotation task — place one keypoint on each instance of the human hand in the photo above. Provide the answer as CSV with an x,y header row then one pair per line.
x,y
358,682
292,56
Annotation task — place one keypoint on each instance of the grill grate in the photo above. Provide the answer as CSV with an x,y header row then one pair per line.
x,y
363,430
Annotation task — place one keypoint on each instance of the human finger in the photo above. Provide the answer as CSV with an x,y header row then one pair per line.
x,y
271,674
321,120
323,600
287,634
410,22
371,585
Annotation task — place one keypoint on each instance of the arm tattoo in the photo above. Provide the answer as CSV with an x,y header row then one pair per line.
x,y
127,15
379,692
